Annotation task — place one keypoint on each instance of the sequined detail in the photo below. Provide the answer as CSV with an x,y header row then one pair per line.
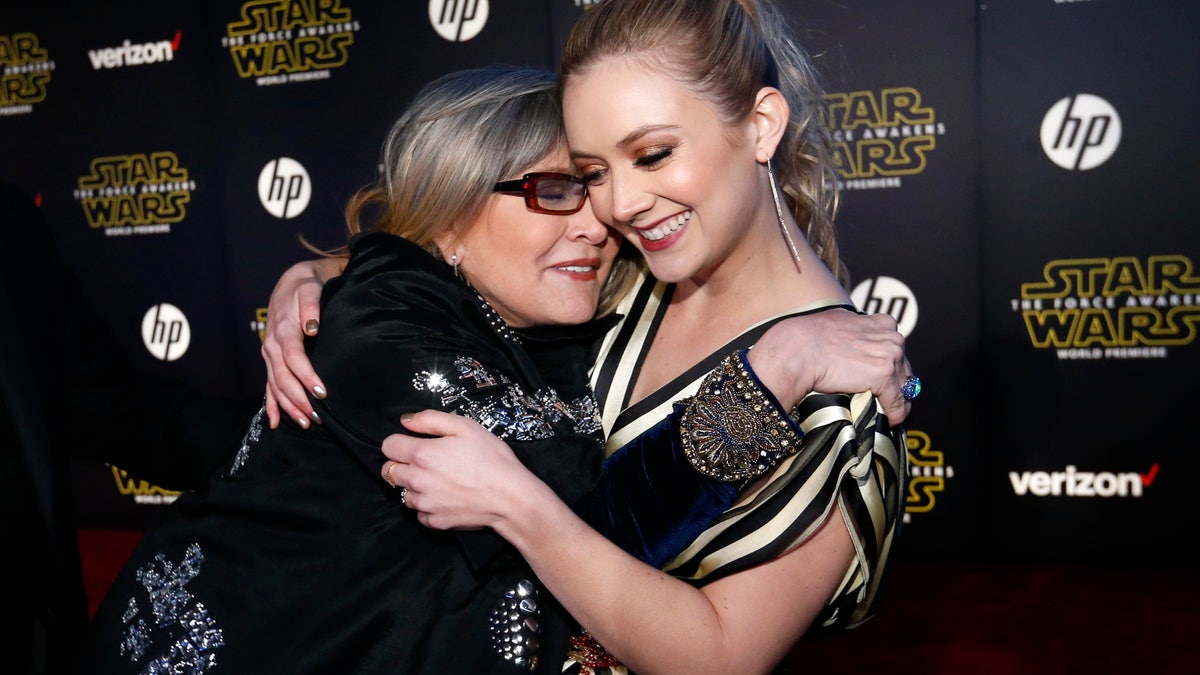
x,y
495,321
251,438
730,430
585,412
502,406
514,626
178,626
590,654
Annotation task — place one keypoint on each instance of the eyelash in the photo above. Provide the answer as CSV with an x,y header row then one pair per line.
x,y
651,159
647,161
592,176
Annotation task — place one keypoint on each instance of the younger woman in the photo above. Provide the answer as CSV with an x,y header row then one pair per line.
x,y
695,125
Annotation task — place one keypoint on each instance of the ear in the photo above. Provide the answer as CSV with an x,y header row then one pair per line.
x,y
771,114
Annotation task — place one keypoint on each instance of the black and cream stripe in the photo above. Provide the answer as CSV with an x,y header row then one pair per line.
x,y
850,461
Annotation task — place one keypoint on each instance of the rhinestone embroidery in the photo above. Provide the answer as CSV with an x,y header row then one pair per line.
x,y
730,431
177,617
251,438
502,406
515,626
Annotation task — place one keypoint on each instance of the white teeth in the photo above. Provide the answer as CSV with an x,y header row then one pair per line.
x,y
668,228
577,268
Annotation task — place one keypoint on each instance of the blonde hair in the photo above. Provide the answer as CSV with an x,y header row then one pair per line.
x,y
461,134
724,51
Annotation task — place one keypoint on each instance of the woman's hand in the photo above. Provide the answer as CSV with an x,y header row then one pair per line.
x,y
835,351
294,311
463,478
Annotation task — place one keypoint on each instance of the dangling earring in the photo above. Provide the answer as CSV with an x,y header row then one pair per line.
x,y
787,235
454,264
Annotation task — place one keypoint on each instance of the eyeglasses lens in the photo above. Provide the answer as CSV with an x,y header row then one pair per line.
x,y
556,194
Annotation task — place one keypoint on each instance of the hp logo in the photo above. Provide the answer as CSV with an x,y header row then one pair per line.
x,y
1080,132
889,296
284,188
166,332
458,20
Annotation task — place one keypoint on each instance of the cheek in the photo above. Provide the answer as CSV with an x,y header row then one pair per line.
x,y
600,200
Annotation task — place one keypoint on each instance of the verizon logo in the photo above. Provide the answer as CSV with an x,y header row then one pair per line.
x,y
129,54
1074,483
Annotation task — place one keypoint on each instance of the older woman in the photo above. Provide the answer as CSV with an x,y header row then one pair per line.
x,y
472,290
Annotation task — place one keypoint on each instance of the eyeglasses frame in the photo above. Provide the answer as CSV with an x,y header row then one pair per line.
x,y
527,186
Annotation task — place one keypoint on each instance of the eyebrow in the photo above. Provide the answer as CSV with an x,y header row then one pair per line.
x,y
633,136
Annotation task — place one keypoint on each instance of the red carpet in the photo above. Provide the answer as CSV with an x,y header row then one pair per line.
x,y
103,553
1026,619
952,618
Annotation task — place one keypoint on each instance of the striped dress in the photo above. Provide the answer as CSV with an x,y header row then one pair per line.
x,y
850,460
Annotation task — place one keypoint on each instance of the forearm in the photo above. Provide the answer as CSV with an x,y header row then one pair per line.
x,y
649,620
834,351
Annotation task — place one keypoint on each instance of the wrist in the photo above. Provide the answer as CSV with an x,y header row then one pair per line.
x,y
527,510
787,378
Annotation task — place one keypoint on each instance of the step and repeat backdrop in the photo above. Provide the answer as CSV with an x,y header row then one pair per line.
x,y
1019,192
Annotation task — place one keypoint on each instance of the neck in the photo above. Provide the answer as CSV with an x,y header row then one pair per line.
x,y
762,276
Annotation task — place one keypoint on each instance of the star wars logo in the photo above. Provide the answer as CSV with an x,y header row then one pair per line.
x,y
927,474
135,194
880,136
282,41
1112,308
259,324
143,492
25,75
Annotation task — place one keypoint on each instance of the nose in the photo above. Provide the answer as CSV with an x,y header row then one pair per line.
x,y
583,225
628,197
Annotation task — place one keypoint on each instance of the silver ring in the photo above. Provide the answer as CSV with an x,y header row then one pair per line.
x,y
403,494
911,388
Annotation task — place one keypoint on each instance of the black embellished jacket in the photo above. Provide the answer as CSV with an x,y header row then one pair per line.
x,y
299,558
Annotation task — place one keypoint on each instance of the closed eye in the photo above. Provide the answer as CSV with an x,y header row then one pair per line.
x,y
592,175
653,159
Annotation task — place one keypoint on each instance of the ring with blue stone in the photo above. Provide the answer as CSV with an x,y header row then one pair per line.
x,y
911,388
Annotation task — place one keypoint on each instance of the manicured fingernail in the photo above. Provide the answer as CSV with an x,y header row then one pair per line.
x,y
311,326
315,416
406,418
303,422
318,391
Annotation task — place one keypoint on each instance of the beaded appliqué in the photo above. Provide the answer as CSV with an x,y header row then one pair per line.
x,y
251,438
730,430
514,626
176,617
502,406
496,321
590,654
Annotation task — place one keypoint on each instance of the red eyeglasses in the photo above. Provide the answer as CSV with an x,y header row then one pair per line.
x,y
547,192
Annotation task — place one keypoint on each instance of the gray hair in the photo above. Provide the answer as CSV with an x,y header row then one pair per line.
x,y
462,133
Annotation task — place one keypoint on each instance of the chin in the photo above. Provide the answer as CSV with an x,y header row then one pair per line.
x,y
569,314
672,274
